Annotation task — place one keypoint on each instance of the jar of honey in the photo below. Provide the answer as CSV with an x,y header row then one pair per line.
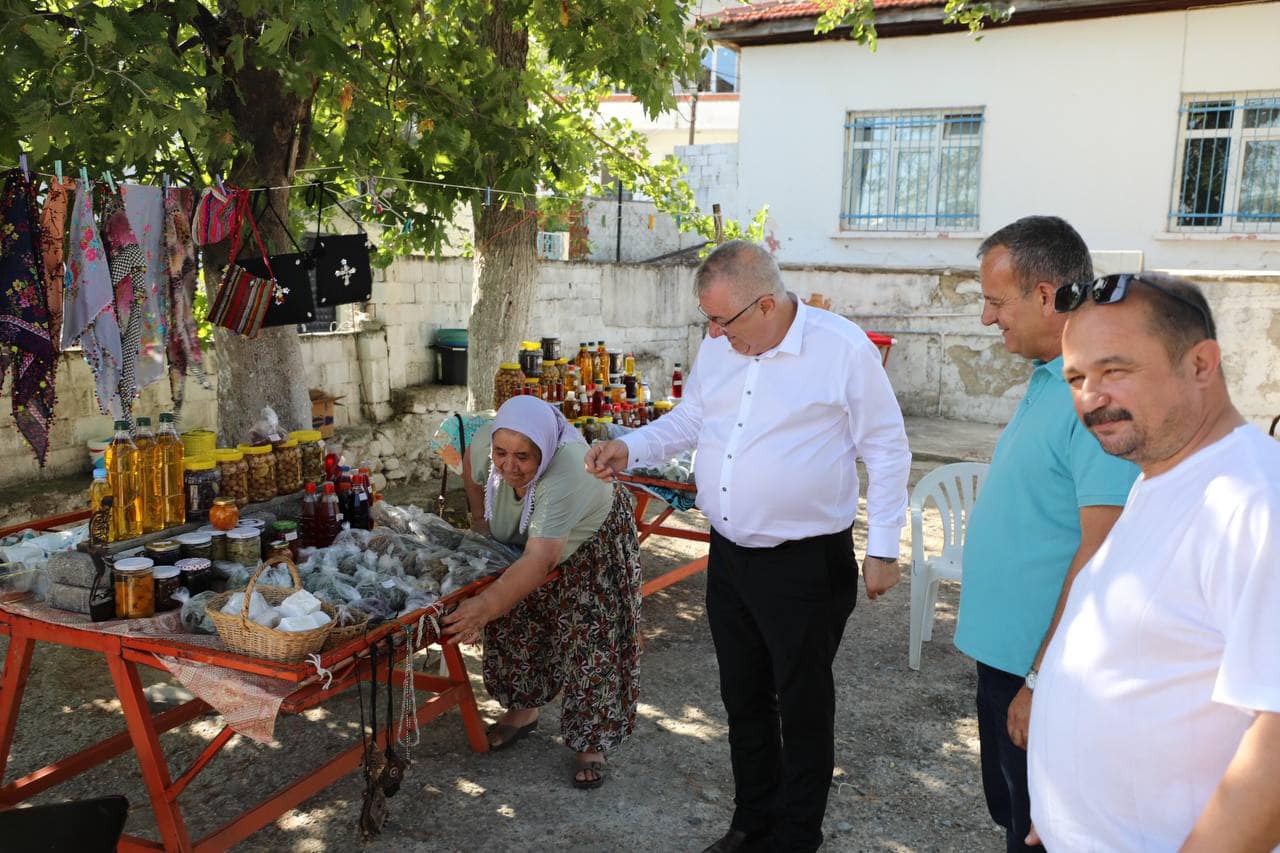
x,y
224,514
135,588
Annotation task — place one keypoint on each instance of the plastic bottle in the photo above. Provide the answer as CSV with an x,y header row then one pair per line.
x,y
125,476
346,504
596,395
586,371
151,474
601,364
100,508
328,517
360,502
629,365
170,451
677,382
307,517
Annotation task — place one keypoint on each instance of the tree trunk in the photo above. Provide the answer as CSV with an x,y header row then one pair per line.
x,y
506,263
266,370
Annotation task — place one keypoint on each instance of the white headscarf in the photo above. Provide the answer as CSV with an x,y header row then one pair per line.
x,y
544,425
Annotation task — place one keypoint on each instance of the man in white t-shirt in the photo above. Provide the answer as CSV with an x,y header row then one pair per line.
x,y
1156,724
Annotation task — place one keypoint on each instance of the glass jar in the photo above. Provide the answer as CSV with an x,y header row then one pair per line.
x,y
287,532
531,360
288,460
197,575
217,542
168,580
508,383
550,349
278,551
262,471
235,475
551,380
223,514
135,588
244,546
311,449
533,388
196,544
201,482
163,552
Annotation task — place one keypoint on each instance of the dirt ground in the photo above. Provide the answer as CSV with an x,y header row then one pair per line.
x,y
906,778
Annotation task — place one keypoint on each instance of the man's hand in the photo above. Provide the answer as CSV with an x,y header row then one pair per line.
x,y
1020,717
606,458
880,576
1033,837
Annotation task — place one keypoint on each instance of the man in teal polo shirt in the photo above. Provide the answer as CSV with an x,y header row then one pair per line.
x,y
1049,500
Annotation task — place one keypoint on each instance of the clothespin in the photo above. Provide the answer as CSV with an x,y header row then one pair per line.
x,y
22,162
650,221
488,195
164,180
84,179
111,181
217,179
408,223
57,169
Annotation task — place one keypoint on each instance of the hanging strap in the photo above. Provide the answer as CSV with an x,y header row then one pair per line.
x,y
243,210
269,205
391,668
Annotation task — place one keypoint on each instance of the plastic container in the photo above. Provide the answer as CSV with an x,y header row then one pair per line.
x,y
550,349
288,462
134,587
507,383
199,442
311,449
235,475
262,471
124,474
171,454
202,484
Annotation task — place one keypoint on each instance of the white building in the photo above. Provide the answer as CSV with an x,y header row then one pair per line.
x,y
1153,127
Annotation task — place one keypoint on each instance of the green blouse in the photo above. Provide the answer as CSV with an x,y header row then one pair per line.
x,y
568,502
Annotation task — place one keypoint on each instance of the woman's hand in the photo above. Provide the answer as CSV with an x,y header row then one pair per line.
x,y
479,525
466,623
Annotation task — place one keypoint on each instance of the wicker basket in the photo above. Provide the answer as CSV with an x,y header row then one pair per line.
x,y
249,638
347,633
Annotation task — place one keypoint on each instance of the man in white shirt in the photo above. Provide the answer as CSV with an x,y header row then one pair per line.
x,y
781,400
1156,724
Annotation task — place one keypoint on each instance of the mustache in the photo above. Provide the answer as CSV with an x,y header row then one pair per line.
x,y
1106,416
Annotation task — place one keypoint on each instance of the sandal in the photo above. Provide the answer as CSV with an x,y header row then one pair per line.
x,y
596,767
508,735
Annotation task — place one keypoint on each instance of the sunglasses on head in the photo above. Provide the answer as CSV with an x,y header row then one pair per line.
x,y
1111,289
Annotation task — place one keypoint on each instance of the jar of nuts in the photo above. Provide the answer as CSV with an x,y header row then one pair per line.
x,y
262,471
311,447
288,460
235,475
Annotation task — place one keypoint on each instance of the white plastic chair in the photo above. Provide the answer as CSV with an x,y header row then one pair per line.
x,y
954,490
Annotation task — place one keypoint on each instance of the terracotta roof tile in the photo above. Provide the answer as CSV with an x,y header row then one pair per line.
x,y
778,10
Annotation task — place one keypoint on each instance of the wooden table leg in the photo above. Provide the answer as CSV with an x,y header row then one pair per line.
x,y
155,770
17,666
466,697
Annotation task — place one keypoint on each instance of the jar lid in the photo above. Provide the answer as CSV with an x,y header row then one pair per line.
x,y
509,365
562,361
193,564
531,382
254,449
196,538
243,533
162,545
255,523
227,454
133,565
530,345
224,501
285,525
292,442
662,405
165,572
198,463
306,434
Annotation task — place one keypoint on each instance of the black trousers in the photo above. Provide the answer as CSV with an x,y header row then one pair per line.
x,y
1004,764
777,616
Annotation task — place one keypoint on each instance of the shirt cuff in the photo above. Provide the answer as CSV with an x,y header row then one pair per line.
x,y
637,449
883,541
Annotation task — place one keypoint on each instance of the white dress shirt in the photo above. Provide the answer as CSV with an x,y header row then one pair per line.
x,y
778,433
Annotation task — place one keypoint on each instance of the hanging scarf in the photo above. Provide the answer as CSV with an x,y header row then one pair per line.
x,y
128,268
182,342
89,313
53,233
144,207
25,345
457,432
544,425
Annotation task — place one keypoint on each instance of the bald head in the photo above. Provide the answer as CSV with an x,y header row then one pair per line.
x,y
746,269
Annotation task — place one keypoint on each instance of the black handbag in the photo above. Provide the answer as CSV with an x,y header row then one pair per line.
x,y
343,273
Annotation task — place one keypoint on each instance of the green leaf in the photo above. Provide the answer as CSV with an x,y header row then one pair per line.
x,y
102,30
48,37
235,49
275,35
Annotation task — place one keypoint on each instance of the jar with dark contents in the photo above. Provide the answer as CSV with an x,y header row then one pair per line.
x,y
311,449
135,588
262,472
235,475
168,580
531,360
217,542
196,544
287,532
201,482
163,552
279,551
244,546
288,461
197,575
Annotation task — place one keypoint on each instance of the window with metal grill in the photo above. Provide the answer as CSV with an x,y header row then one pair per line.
x,y
1227,173
912,170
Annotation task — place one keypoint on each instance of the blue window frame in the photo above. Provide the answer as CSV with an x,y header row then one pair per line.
x,y
1227,173
912,170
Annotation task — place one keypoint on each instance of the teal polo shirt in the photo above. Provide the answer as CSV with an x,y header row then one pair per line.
x,y
1025,526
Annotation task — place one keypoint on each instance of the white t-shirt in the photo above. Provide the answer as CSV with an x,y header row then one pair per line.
x,y
1169,644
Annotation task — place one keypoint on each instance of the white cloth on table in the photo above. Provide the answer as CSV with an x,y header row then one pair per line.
x,y
777,436
1166,651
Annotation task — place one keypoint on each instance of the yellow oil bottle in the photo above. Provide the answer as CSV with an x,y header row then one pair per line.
x,y
170,454
150,472
124,473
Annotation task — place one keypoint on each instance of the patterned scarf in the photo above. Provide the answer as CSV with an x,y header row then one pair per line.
x,y
128,266
182,343
53,234
544,425
144,206
25,345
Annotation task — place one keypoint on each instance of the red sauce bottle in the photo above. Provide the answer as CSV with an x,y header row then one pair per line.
x,y
677,382
307,518
328,518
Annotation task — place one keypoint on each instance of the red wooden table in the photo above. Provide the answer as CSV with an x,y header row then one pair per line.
x,y
657,526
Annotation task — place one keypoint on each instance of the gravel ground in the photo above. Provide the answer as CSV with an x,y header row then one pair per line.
x,y
906,778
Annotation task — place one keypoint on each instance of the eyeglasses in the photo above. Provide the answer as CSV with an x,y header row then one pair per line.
x,y
724,324
1111,289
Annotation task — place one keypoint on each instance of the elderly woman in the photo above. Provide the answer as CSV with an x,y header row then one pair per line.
x,y
527,482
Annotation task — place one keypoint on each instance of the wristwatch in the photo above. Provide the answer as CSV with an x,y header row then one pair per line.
x,y
1032,675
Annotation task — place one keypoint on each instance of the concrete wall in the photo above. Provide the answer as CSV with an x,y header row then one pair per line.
x,y
716,120
944,364
1081,120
